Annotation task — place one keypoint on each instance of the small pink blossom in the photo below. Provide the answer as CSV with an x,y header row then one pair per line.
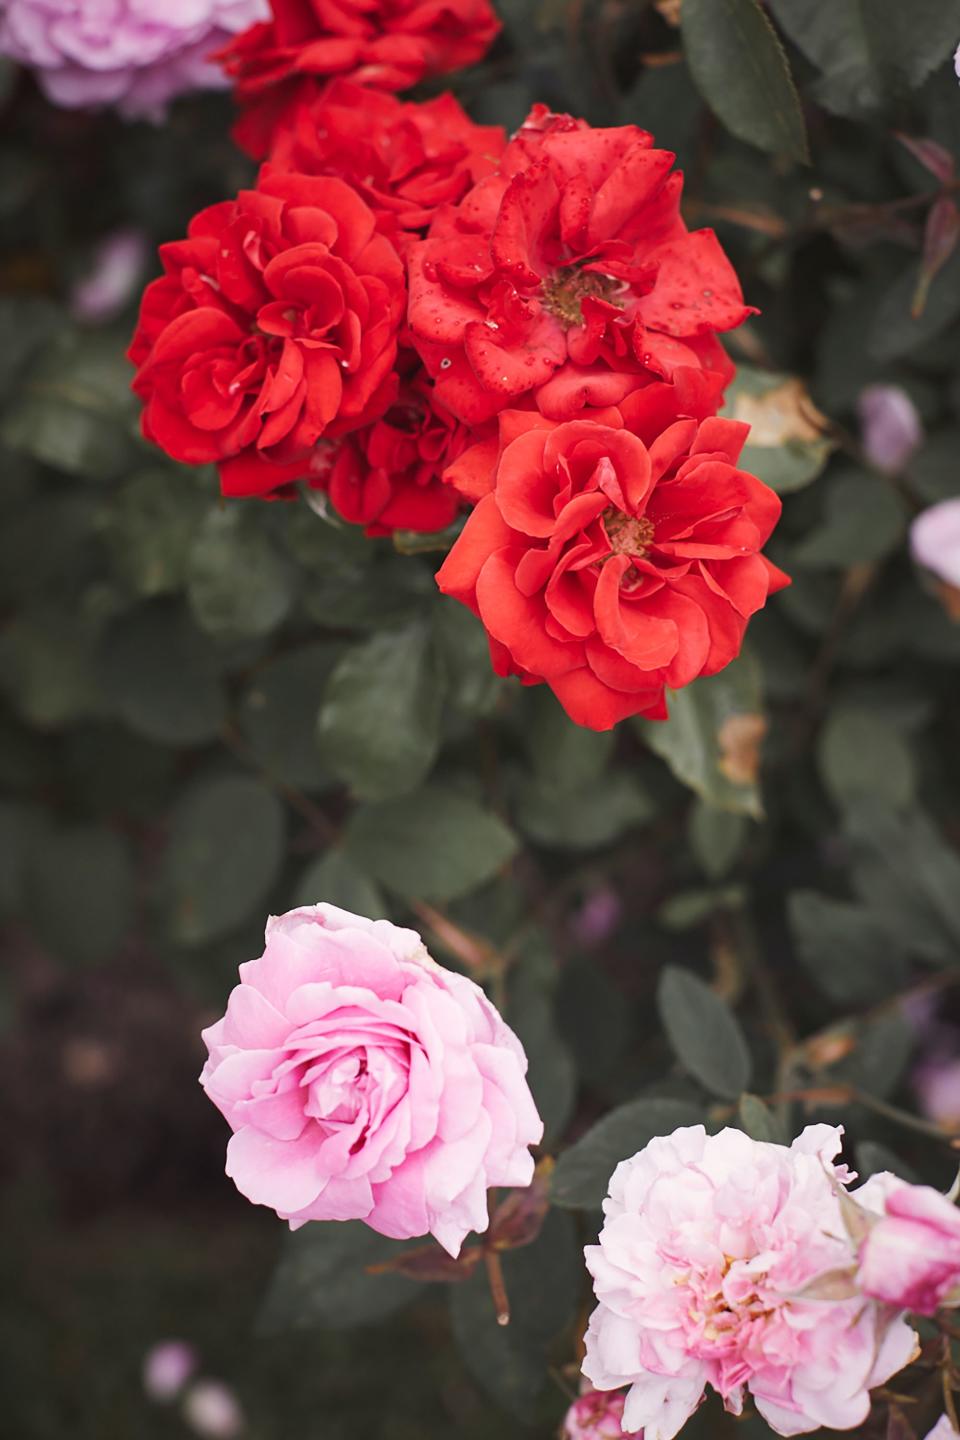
x,y
910,1257
364,1082
891,426
706,1248
943,1430
117,267
167,1367
935,540
212,1410
598,916
596,1415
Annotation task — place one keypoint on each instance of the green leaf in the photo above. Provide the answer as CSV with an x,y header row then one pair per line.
x,y
551,1074
224,850
860,753
786,447
148,525
895,330
72,410
716,837
161,675
867,53
583,1171
874,1158
740,69
865,520
470,683
379,723
847,950
542,1281
332,879
278,715
884,1045
908,876
47,667
592,814
433,845
562,754
239,583
703,1032
79,891
759,1121
711,740
323,1280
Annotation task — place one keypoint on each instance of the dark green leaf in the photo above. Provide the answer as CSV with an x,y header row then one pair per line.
x,y
161,675
705,1036
79,891
332,879
224,849
278,715
873,1158
379,724
865,519
542,1283
711,740
591,814
433,845
470,683
322,1280
47,667
759,1121
149,524
739,67
551,1075
239,583
860,753
583,1171
848,950
716,837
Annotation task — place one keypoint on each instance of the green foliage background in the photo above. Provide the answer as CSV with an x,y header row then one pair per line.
x,y
211,711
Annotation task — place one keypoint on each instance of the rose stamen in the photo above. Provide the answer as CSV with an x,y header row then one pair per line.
x,y
562,293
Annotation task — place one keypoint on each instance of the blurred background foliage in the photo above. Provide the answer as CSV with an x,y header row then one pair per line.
x,y
210,711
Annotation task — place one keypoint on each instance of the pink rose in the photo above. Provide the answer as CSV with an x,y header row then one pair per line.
x,y
935,540
596,1415
911,1255
364,1082
707,1245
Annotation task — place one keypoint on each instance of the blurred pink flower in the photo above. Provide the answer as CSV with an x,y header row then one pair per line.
x,y
598,916
134,54
707,1244
937,1084
595,1415
211,1409
935,540
943,1430
891,426
365,1082
910,1257
167,1367
118,263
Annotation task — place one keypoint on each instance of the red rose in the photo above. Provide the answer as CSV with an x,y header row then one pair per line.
x,y
387,476
572,257
613,556
275,323
405,159
385,44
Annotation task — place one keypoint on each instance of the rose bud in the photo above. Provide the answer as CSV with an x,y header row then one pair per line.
x,y
596,1415
910,1257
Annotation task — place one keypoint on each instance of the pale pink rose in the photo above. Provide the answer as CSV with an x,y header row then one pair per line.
x,y
365,1082
707,1245
167,1367
596,1415
116,269
212,1410
935,540
943,1430
910,1257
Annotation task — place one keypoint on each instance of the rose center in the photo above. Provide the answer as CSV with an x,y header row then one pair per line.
x,y
562,293
627,534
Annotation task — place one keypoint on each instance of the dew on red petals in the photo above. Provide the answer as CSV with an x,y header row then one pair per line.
x,y
445,363
707,294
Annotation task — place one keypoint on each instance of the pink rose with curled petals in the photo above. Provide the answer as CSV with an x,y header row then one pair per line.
x,y
596,1415
364,1082
707,1245
935,540
910,1256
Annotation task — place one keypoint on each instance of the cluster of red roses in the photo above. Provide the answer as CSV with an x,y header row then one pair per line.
x,y
417,315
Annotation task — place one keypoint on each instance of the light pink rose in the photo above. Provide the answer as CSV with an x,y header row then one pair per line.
x,y
891,426
212,1410
167,1366
365,1082
910,1257
935,540
596,1415
943,1430
707,1245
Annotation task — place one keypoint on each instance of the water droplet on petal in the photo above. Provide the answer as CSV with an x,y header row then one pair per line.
x,y
445,363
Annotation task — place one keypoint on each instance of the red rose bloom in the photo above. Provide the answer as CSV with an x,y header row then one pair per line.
x,y
613,556
387,476
405,159
572,261
275,323
386,44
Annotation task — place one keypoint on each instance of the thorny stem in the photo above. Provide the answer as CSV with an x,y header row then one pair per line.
x,y
498,1289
